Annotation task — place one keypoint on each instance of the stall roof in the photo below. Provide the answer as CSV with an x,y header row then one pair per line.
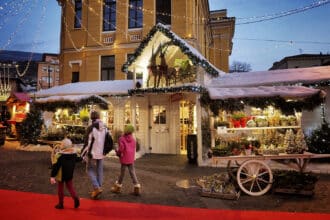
x,y
114,87
160,35
71,98
262,91
273,77
19,96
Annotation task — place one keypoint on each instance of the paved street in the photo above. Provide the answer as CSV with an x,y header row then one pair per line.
x,y
159,174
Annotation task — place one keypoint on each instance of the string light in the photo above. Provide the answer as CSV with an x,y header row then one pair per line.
x,y
13,34
43,15
283,14
126,33
11,10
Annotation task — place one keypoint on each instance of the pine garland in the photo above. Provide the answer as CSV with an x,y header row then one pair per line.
x,y
193,58
75,106
286,107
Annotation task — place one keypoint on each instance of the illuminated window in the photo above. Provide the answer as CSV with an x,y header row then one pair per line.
x,y
159,114
127,114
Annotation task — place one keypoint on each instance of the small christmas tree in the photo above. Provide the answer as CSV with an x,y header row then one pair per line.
x,y
319,141
30,129
289,142
300,142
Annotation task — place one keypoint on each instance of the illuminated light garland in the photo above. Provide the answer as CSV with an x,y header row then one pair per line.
x,y
54,105
286,107
187,88
84,28
70,37
283,14
126,33
192,57
13,34
11,10
43,15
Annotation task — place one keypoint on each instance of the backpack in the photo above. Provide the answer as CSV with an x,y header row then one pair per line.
x,y
108,143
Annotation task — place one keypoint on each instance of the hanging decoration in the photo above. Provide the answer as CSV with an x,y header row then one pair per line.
x,y
5,86
286,107
197,89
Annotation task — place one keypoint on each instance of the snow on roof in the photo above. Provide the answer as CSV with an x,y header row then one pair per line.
x,y
273,77
262,91
114,87
71,98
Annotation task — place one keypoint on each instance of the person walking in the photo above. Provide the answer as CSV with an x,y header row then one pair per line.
x,y
93,147
63,165
126,153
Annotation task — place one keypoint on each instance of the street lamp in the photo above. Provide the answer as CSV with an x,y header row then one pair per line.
x,y
48,77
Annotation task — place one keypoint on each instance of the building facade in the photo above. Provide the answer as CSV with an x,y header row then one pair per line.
x,y
97,37
302,61
48,71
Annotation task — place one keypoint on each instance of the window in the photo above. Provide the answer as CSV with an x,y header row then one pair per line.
x,y
75,77
159,114
128,118
135,14
109,15
107,68
163,12
78,13
130,74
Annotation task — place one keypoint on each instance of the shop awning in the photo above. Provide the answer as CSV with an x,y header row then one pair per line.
x,y
287,92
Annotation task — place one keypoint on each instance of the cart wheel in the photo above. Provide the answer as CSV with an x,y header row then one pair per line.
x,y
254,177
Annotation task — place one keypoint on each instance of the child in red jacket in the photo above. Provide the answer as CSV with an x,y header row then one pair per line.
x,y
126,153
62,171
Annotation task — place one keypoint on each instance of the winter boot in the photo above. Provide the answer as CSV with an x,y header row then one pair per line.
x,y
116,188
137,189
76,202
96,193
59,206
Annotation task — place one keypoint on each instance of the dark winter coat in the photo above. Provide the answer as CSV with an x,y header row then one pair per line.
x,y
65,164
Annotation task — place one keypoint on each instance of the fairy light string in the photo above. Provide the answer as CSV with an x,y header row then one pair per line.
x,y
43,15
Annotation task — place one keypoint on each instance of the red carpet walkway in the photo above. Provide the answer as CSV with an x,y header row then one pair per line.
x,y
16,205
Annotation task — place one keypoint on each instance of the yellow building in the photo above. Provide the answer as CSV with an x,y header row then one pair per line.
x,y
98,36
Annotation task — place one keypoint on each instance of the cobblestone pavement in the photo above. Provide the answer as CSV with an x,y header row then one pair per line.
x,y
159,175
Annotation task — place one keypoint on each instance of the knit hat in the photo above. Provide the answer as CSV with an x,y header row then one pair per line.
x,y
66,146
129,129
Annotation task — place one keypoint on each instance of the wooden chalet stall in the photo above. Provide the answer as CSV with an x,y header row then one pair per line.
x,y
172,75
70,105
261,112
18,105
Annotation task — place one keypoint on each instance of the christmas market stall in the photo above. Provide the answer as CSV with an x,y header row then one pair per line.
x,y
69,106
69,114
18,105
252,122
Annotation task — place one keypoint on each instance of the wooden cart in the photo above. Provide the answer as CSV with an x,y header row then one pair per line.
x,y
255,177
